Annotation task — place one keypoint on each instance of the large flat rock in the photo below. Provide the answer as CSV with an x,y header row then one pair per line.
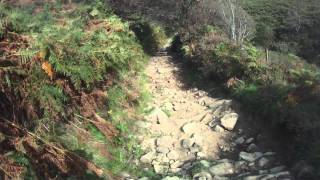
x,y
251,157
225,168
194,128
165,141
229,121
157,115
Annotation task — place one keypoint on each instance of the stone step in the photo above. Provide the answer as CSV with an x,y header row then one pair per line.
x,y
162,53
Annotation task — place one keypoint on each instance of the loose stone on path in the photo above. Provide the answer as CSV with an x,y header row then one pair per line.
x,y
222,169
148,158
165,141
187,131
229,121
194,127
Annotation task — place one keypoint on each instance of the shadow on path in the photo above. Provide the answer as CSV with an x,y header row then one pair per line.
x,y
266,137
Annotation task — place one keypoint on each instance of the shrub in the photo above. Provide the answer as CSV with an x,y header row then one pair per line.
x,y
151,36
284,91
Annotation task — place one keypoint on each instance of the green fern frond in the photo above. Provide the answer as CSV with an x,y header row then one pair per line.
x,y
8,80
51,98
26,55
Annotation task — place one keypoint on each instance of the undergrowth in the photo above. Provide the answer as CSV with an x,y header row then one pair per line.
x,y
128,150
151,35
123,112
284,91
66,57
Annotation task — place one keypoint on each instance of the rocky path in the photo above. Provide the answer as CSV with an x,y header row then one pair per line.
x,y
186,133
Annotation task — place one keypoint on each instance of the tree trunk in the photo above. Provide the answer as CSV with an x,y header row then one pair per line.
x,y
267,54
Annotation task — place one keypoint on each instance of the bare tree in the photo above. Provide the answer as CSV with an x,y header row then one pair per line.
x,y
161,10
182,15
237,23
190,16
195,14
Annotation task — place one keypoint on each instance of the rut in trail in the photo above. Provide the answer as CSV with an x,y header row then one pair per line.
x,y
187,129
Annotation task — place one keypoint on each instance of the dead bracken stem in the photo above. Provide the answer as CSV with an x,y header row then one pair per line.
x,y
5,172
33,135
79,116
64,152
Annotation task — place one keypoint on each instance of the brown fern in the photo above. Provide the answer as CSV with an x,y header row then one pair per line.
x,y
8,169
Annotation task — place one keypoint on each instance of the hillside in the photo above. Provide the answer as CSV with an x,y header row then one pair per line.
x,y
63,70
265,57
291,25
184,89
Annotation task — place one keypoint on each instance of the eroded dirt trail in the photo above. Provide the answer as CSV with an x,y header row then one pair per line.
x,y
179,130
186,115
186,127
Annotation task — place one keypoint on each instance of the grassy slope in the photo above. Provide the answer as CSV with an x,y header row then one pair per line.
x,y
77,61
293,24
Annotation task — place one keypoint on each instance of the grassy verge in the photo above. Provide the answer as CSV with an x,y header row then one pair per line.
x,y
126,102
